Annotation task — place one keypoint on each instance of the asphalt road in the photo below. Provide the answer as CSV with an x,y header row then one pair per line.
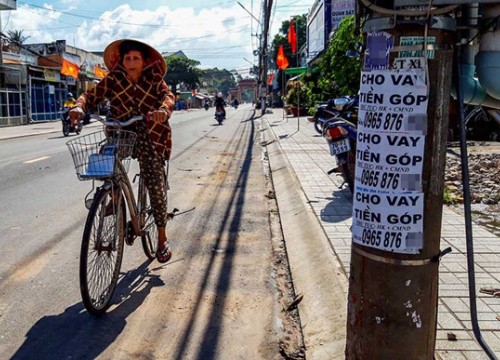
x,y
216,298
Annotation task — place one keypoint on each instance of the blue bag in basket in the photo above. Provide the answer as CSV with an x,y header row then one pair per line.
x,y
102,164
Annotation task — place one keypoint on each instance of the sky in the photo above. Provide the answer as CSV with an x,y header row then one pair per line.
x,y
217,33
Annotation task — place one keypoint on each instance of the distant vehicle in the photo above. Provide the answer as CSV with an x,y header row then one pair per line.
x,y
67,128
219,115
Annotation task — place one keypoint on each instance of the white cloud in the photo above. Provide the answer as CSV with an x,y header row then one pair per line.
x,y
217,36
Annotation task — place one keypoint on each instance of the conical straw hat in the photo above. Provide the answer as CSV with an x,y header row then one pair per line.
x,y
112,55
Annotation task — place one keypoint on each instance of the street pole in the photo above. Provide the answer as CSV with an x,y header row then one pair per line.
x,y
268,4
2,75
393,292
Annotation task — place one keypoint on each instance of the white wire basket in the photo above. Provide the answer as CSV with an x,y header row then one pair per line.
x,y
95,154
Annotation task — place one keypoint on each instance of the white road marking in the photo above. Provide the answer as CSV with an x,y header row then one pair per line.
x,y
35,160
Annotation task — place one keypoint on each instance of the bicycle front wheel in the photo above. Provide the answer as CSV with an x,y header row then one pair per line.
x,y
150,237
102,250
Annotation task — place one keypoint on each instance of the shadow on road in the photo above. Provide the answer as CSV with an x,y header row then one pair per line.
x,y
230,225
75,334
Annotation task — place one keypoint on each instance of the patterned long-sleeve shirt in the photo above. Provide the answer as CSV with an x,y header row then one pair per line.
x,y
127,99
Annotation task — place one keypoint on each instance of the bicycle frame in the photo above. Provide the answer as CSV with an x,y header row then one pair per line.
x,y
127,191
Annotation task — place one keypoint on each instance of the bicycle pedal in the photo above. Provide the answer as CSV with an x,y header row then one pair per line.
x,y
129,240
130,237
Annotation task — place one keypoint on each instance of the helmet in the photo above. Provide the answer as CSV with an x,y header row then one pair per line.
x,y
70,95
219,94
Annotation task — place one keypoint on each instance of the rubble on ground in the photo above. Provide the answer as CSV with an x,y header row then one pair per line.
x,y
484,177
484,184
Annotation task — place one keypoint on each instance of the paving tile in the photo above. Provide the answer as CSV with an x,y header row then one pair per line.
x,y
450,355
475,355
460,345
309,157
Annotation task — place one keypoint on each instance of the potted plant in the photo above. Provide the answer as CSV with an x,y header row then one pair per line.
x,y
297,99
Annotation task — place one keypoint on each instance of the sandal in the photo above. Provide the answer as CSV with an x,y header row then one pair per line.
x,y
163,254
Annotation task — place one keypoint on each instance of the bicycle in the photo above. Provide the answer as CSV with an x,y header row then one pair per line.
x,y
105,156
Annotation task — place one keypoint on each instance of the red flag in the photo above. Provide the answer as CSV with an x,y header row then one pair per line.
x,y
292,37
69,68
270,80
99,72
281,59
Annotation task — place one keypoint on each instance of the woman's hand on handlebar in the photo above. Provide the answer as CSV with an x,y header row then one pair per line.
x,y
158,116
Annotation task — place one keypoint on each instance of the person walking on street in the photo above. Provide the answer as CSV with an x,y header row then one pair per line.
x,y
135,86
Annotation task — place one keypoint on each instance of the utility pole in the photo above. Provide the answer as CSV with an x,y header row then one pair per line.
x,y
400,163
267,4
4,5
2,74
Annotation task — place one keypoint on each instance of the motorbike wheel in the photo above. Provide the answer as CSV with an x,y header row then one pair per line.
x,y
478,125
349,168
65,129
318,126
78,128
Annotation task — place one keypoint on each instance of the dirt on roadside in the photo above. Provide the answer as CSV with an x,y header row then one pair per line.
x,y
484,182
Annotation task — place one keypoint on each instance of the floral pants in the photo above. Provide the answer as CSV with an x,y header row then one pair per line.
x,y
152,167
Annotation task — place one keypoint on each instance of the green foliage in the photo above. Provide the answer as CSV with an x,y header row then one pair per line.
x,y
215,80
16,37
182,70
341,73
298,95
449,198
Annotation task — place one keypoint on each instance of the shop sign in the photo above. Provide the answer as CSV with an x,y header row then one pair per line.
x,y
51,75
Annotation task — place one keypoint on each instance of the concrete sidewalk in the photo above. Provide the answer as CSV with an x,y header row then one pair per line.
x,y
308,160
12,132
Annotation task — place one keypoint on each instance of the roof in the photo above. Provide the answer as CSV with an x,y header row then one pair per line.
x,y
177,53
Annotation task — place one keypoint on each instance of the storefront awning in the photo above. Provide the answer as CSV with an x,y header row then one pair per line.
x,y
12,61
296,70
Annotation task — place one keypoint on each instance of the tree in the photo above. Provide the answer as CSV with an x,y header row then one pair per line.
x,y
182,70
219,80
340,74
16,39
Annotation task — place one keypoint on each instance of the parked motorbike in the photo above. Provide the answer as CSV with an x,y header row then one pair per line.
x,y
340,133
219,115
67,128
345,107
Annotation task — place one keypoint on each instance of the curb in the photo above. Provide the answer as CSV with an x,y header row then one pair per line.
x,y
316,271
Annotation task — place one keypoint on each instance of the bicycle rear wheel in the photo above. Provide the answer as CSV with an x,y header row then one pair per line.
x,y
150,237
102,251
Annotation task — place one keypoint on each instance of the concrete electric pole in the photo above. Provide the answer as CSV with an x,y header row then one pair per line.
x,y
397,205
267,6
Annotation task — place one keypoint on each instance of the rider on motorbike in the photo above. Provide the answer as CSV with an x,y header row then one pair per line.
x,y
219,104
235,103
68,104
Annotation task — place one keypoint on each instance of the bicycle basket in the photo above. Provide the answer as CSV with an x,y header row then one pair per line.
x,y
94,154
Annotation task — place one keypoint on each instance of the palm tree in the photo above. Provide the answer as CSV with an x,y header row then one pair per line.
x,y
16,39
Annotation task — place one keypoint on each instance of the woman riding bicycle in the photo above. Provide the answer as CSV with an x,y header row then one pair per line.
x,y
135,86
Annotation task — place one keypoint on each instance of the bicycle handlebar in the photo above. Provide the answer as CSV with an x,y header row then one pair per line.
x,y
107,121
